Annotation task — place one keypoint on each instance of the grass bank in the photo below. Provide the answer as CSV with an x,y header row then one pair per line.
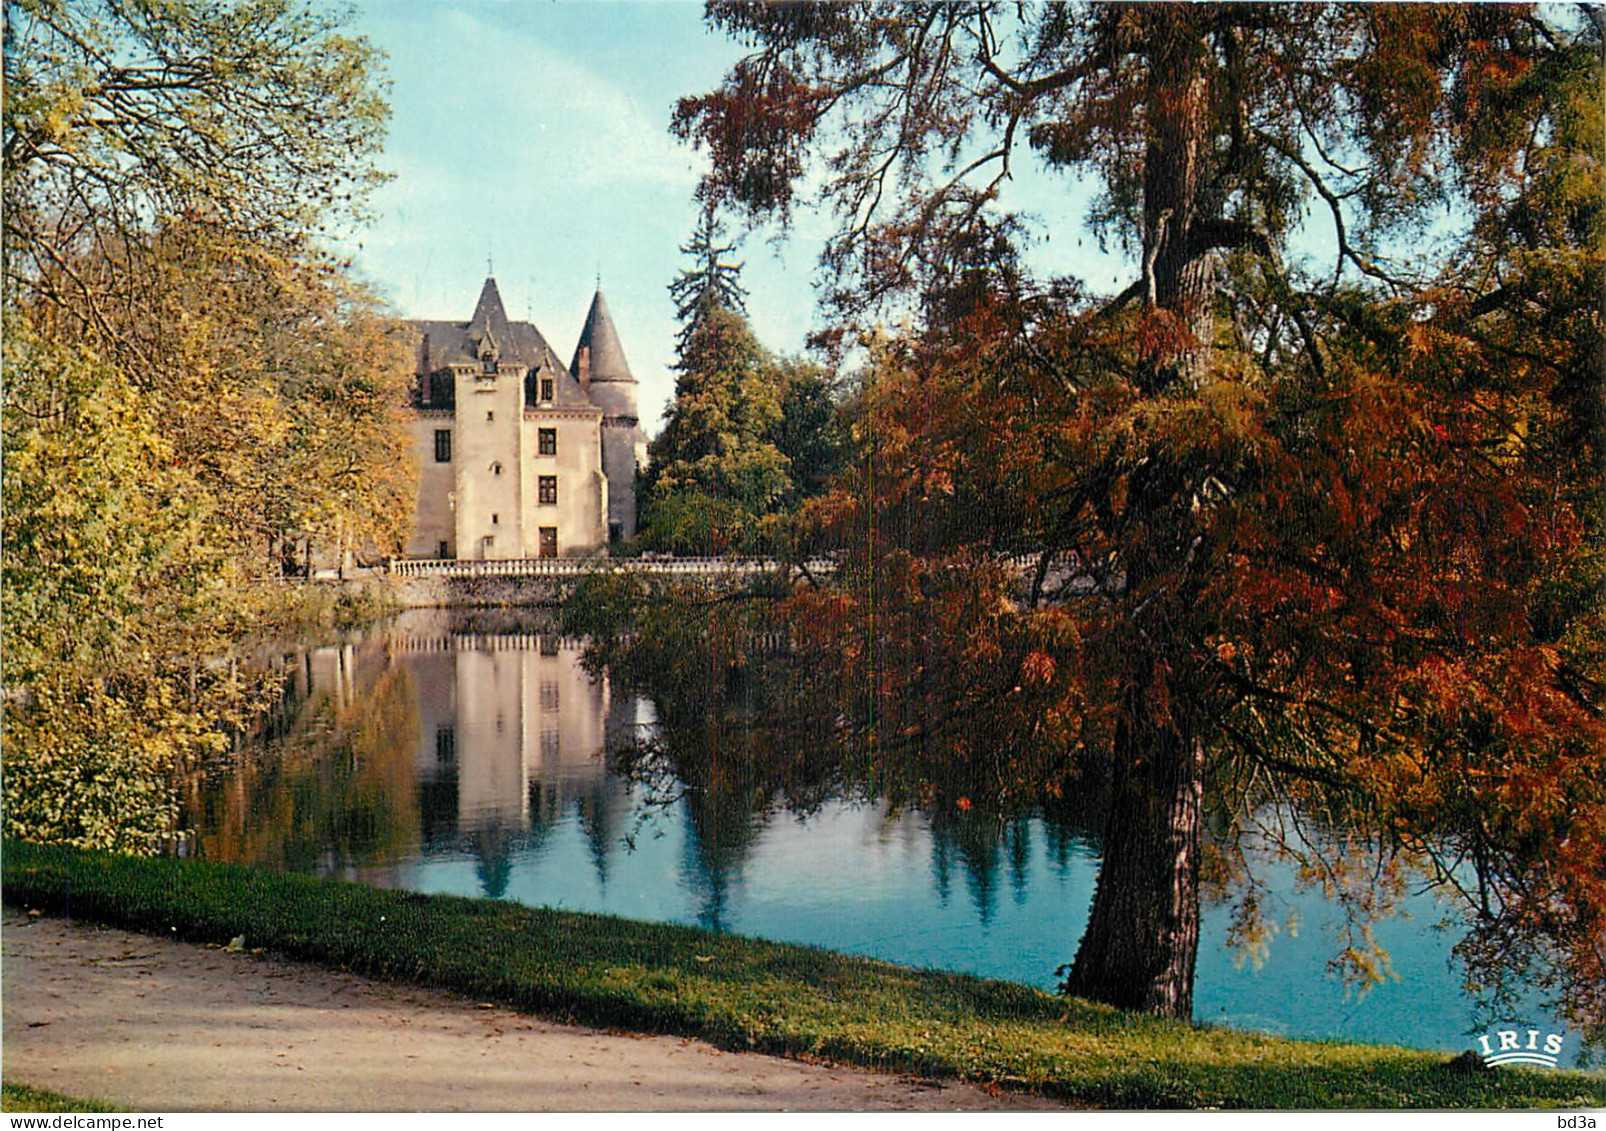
x,y
20,1097
749,994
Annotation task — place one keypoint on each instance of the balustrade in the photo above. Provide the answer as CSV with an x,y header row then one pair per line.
x,y
574,567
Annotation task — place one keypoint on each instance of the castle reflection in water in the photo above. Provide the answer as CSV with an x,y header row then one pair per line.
x,y
454,734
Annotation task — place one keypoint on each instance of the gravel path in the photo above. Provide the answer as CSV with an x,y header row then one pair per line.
x,y
158,1025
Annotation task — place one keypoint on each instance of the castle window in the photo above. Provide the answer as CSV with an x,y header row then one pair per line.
x,y
547,490
490,416
496,469
443,551
546,441
445,745
443,445
547,389
495,519
442,389
549,541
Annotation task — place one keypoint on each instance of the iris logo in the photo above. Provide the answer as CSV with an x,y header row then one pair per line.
x,y
1522,1046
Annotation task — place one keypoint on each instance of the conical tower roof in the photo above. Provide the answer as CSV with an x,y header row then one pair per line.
x,y
607,355
489,313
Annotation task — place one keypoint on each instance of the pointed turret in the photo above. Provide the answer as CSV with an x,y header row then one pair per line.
x,y
599,356
489,314
600,366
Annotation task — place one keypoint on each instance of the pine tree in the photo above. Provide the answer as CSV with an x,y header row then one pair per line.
x,y
713,282
715,472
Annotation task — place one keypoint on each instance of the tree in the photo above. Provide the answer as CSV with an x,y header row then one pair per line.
x,y
714,472
257,122
808,432
712,280
109,596
1313,526
168,171
722,470
190,381
285,386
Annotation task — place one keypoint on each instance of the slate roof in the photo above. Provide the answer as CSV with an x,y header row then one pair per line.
x,y
607,355
517,343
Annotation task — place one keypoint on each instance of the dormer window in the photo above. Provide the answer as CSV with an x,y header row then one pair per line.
x,y
488,354
539,388
442,390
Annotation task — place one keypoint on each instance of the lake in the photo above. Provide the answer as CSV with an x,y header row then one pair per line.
x,y
470,755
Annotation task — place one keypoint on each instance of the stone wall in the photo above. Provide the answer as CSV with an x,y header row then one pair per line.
x,y
434,592
434,522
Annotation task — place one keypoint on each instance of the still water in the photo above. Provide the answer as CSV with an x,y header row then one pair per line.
x,y
444,754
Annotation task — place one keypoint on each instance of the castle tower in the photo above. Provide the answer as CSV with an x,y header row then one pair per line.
x,y
510,448
599,365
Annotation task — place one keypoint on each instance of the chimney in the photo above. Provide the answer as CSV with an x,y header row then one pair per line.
x,y
585,367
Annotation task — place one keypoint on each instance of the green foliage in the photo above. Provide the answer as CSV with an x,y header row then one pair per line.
x,y
286,390
106,590
99,521
747,437
259,118
169,170
747,994
192,388
715,471
808,433
712,280
21,1097
690,522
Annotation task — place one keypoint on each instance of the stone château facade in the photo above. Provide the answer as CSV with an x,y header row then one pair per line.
x,y
520,456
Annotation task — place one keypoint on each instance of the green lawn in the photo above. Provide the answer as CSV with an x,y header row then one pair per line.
x,y
749,994
20,1097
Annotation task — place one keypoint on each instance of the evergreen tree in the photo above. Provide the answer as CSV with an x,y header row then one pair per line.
x,y
715,471
808,433
713,281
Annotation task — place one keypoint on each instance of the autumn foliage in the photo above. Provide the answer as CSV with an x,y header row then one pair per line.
x,y
1320,539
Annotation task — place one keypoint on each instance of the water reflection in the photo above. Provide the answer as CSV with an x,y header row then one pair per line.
x,y
473,754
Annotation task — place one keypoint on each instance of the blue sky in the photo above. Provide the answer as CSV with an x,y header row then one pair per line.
x,y
537,133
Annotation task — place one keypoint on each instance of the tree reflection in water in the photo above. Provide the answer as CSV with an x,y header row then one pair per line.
x,y
478,755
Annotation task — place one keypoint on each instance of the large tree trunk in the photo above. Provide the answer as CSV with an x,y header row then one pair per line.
x,y
1143,933
1180,277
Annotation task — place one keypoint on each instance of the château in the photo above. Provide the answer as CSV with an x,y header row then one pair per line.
x,y
519,455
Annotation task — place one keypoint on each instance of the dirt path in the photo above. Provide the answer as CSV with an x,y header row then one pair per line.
x,y
158,1025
